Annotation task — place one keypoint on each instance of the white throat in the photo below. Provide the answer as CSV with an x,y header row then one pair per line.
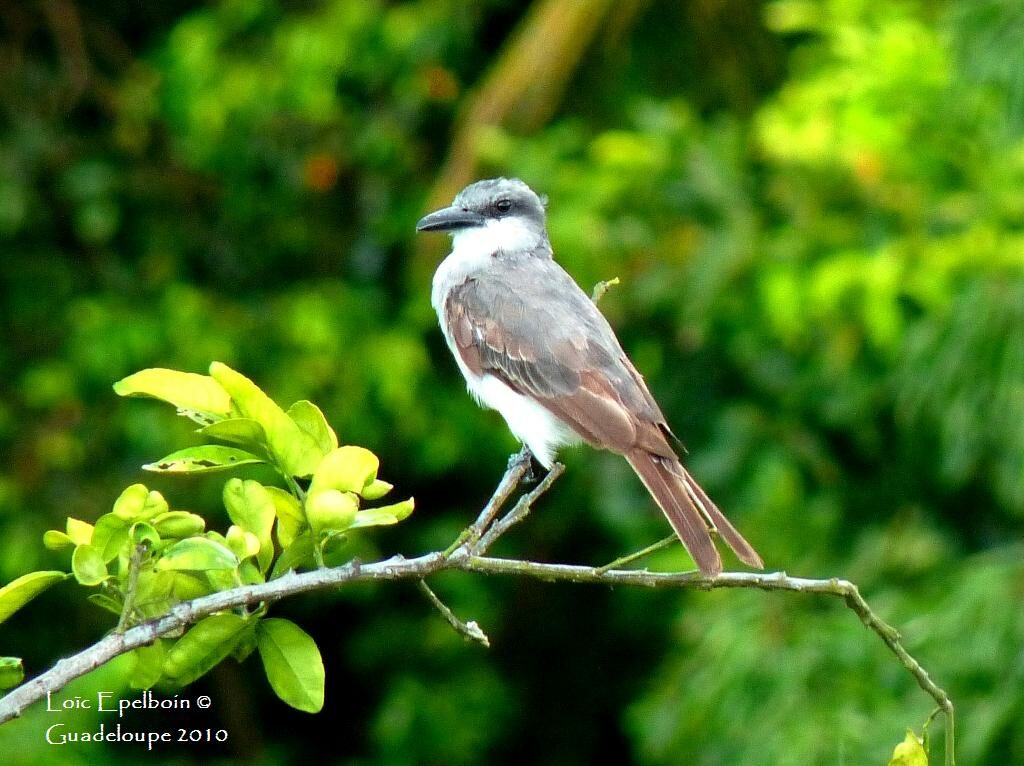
x,y
473,247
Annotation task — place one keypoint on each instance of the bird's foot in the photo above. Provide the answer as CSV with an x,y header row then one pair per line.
x,y
524,462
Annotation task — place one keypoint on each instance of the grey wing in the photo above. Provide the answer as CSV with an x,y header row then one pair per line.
x,y
529,324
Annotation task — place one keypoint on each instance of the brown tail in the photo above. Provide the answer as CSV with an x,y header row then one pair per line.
x,y
690,511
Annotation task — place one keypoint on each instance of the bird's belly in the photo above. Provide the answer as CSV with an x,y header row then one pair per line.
x,y
529,421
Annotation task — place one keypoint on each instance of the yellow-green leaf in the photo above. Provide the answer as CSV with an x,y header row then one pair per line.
x,y
292,663
179,524
103,601
310,419
11,672
56,540
347,469
153,591
206,644
80,532
242,543
330,509
88,566
250,506
293,449
143,532
203,459
18,592
130,502
375,490
189,392
197,554
244,431
110,535
291,519
149,665
296,556
909,752
386,514
246,644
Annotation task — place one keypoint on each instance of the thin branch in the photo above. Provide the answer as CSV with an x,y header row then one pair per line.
x,y
519,512
134,564
637,555
518,467
460,556
771,581
470,630
188,612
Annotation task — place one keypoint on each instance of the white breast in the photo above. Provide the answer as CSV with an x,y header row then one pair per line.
x,y
529,421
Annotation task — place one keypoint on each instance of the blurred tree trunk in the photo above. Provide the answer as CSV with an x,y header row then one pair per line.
x,y
525,85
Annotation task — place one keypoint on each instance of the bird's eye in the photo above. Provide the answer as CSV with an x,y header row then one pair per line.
x,y
503,205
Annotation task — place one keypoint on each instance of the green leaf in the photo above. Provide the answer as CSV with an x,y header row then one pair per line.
x,y
374,517
249,572
153,591
189,585
130,502
103,601
909,752
18,592
298,555
291,519
207,643
12,672
292,663
110,535
295,451
197,396
310,419
149,665
329,509
179,524
386,514
375,490
197,554
246,643
143,532
244,431
347,469
251,507
203,459
337,548
242,542
88,566
137,503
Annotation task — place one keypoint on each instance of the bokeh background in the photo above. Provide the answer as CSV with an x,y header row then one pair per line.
x,y
816,210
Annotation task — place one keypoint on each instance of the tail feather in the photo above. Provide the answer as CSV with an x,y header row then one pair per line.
x,y
743,550
690,511
680,510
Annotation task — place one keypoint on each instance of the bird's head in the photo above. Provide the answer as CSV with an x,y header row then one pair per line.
x,y
499,213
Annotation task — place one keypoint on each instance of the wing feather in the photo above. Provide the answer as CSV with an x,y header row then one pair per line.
x,y
560,351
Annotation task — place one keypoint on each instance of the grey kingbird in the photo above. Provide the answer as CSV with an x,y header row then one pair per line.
x,y
534,347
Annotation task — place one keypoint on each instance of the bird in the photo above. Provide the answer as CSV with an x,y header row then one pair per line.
x,y
533,346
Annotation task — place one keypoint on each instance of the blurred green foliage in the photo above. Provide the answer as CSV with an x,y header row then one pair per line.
x,y
817,213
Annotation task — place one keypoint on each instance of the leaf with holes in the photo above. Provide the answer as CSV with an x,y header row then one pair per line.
x,y
203,459
198,396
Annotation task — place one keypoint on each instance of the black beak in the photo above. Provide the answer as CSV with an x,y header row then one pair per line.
x,y
449,219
